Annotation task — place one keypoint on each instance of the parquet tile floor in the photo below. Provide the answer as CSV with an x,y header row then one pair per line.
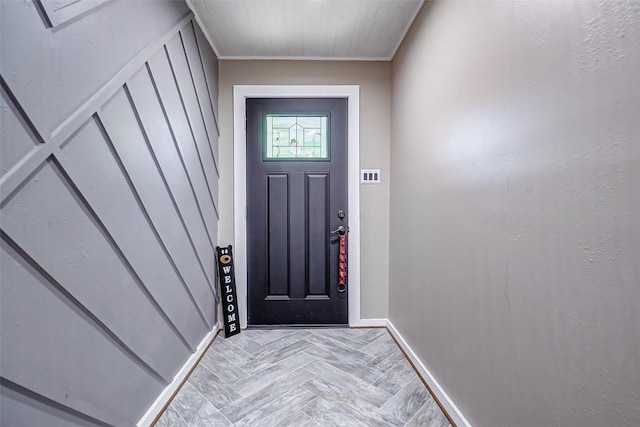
x,y
304,377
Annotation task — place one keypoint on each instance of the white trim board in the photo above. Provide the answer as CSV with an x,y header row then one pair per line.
x,y
167,394
307,58
240,94
370,323
444,399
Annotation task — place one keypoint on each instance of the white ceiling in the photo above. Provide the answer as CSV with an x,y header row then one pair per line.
x,y
305,29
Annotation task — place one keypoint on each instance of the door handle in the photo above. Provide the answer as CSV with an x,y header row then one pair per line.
x,y
340,231
342,259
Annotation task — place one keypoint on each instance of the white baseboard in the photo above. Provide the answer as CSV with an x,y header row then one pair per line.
x,y
180,377
369,323
446,402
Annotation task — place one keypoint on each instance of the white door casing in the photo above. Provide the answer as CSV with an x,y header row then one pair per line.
x,y
240,93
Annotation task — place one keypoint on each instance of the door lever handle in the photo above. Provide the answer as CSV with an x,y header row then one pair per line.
x,y
340,231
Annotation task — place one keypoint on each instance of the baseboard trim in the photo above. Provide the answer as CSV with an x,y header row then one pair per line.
x,y
369,323
160,404
450,409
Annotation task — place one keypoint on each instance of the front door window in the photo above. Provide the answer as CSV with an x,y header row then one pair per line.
x,y
300,137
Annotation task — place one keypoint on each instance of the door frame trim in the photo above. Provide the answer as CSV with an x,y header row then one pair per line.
x,y
240,94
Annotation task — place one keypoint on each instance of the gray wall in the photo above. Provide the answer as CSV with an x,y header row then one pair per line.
x,y
109,211
515,208
374,79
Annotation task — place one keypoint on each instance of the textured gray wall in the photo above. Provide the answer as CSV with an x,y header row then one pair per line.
x,y
108,184
515,208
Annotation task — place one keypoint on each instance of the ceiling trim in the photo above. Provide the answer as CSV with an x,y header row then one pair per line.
x,y
204,30
404,33
302,58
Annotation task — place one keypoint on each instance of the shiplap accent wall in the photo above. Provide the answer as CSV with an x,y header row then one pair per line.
x,y
109,212
58,12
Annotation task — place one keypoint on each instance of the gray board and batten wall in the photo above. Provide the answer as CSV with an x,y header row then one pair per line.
x,y
109,206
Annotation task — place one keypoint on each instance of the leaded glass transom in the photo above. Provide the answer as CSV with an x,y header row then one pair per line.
x,y
296,137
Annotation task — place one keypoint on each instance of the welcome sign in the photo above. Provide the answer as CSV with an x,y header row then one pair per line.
x,y
226,274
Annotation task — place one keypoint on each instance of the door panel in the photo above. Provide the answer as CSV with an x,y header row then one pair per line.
x,y
278,235
292,204
317,239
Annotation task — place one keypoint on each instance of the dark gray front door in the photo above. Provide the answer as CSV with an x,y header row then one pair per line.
x,y
296,187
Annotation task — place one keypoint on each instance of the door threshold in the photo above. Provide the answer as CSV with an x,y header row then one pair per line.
x,y
300,326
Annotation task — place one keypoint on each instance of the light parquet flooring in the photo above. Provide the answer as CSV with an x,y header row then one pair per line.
x,y
304,377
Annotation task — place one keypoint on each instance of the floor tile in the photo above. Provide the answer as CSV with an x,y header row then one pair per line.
x,y
343,336
196,410
274,356
172,418
384,361
275,411
272,373
228,349
370,334
246,343
397,377
224,368
408,400
344,385
344,358
212,387
240,408
304,377
284,341
379,345
297,419
429,415
327,415
265,336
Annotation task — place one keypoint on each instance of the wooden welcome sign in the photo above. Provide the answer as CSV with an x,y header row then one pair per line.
x,y
226,274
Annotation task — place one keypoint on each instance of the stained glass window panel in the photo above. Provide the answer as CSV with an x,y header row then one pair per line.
x,y
296,137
